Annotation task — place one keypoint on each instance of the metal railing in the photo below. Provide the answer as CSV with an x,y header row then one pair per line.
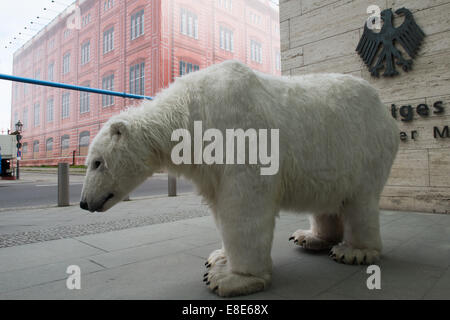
x,y
72,87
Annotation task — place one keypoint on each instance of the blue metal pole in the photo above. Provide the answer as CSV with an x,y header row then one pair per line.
x,y
72,87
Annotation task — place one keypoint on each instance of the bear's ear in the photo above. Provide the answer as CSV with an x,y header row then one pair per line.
x,y
118,129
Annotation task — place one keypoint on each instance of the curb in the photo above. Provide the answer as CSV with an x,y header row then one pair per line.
x,y
71,172
77,203
4,183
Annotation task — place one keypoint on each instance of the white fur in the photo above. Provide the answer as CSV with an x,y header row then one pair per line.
x,y
337,145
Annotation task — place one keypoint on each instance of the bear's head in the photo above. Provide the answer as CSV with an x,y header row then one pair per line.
x,y
117,163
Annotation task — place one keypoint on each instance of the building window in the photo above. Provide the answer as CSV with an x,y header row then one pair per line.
x,y
84,139
25,148
66,63
25,118
65,105
37,76
38,53
256,19
50,110
256,51
36,114
84,101
36,146
182,68
187,67
86,19
137,79
188,23
16,117
226,39
25,89
108,84
51,43
66,33
49,144
108,40
65,142
85,52
226,4
137,24
51,68
108,5
84,143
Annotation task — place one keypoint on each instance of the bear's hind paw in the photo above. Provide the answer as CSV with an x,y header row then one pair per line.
x,y
307,240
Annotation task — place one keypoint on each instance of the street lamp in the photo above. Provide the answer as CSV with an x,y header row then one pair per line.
x,y
19,127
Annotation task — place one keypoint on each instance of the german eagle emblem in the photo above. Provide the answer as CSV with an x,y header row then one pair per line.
x,y
409,35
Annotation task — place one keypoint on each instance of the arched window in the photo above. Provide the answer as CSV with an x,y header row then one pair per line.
x,y
137,78
35,147
84,139
65,141
84,99
49,144
84,142
25,147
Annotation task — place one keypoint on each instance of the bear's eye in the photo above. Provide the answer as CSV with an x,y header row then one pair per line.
x,y
97,164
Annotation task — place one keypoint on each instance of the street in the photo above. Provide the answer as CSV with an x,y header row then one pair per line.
x,y
41,190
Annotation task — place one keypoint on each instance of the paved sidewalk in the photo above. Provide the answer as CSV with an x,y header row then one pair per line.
x,y
25,226
164,260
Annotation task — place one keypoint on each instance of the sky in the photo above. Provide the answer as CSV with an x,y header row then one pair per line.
x,y
14,16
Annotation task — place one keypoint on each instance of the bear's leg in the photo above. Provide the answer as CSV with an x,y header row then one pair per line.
x,y
362,241
326,231
243,266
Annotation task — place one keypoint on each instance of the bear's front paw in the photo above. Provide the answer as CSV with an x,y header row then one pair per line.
x,y
225,283
345,254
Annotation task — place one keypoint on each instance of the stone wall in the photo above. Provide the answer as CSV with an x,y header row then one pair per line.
x,y
321,36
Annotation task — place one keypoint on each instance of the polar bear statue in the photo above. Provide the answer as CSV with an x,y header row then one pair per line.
x,y
337,143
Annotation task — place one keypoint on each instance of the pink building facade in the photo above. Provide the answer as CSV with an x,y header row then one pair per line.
x,y
137,46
